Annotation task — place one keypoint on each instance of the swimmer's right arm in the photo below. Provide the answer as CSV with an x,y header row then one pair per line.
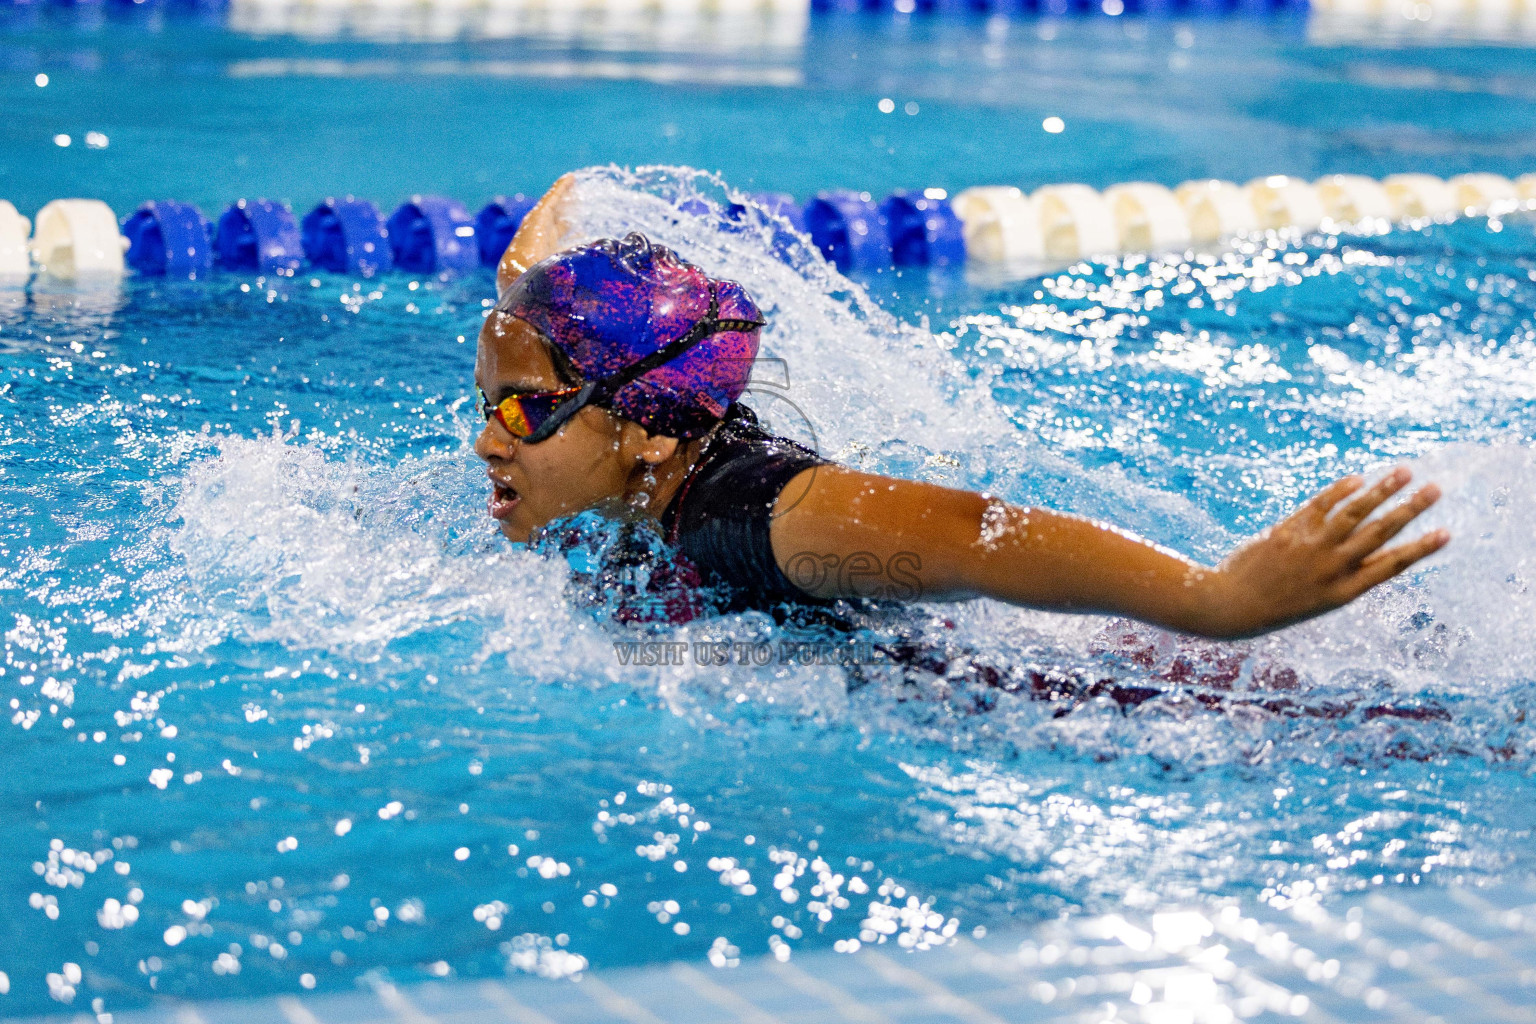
x,y
839,533
541,234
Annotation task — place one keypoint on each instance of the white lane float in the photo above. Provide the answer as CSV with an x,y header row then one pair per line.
x,y
1148,217
1280,201
1352,198
1525,188
1474,193
1490,18
600,24
1000,225
1415,196
1075,221
78,238
14,259
1215,209
1377,21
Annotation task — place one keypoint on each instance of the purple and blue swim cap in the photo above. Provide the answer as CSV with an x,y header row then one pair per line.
x,y
610,303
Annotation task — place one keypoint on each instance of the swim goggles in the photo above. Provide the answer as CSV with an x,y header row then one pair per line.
x,y
533,416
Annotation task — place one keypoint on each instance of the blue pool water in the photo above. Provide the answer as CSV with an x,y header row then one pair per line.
x,y
286,711
206,116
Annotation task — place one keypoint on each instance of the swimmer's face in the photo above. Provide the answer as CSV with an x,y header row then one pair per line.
x,y
585,464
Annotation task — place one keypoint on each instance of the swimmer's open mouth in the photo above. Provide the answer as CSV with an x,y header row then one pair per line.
x,y
502,501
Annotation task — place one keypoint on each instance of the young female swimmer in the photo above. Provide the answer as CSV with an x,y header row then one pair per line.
x,y
609,375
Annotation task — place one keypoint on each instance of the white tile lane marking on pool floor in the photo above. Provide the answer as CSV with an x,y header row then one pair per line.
x,y
935,994
295,1012
1459,987
1121,984
1443,931
1515,919
399,1004
1261,938
620,1006
497,995
720,995
1396,934
849,1008
1406,956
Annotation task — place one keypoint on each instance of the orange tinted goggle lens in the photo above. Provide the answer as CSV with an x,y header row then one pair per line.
x,y
524,414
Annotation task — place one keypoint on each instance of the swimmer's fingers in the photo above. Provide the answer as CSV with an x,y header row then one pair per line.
x,y
1345,518
1320,504
1373,533
1383,565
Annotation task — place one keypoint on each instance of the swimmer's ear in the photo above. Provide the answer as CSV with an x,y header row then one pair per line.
x,y
653,449
658,449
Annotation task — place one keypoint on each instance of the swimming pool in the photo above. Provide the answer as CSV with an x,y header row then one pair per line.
x,y
287,712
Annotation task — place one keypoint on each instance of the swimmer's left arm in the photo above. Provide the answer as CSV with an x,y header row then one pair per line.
x,y
841,533
539,235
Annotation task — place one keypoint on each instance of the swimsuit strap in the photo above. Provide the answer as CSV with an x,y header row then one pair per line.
x,y
676,508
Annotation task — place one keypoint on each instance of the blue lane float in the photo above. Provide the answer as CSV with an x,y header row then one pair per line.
x,y
699,208
960,7
179,6
347,237
432,234
782,204
496,223
258,234
847,228
924,231
169,239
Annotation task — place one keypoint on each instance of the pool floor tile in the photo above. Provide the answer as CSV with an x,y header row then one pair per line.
x,y
1402,956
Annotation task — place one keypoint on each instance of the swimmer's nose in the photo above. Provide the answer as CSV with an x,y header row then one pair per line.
x,y
494,442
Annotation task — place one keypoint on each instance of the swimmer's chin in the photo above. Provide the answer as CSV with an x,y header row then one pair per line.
x,y
516,533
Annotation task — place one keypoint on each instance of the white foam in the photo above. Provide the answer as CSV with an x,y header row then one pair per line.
x,y
1461,621
285,543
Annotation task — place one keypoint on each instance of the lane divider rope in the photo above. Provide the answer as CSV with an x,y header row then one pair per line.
x,y
992,224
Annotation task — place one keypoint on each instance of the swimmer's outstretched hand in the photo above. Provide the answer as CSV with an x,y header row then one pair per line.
x,y
1326,554
541,233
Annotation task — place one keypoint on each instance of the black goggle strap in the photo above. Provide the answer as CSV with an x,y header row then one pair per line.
x,y
605,388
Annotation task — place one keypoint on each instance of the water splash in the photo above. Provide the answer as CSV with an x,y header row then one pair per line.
x,y
855,372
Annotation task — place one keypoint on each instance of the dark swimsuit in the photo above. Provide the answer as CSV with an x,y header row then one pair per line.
x,y
720,517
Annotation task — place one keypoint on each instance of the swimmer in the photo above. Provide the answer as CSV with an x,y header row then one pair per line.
x,y
609,374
